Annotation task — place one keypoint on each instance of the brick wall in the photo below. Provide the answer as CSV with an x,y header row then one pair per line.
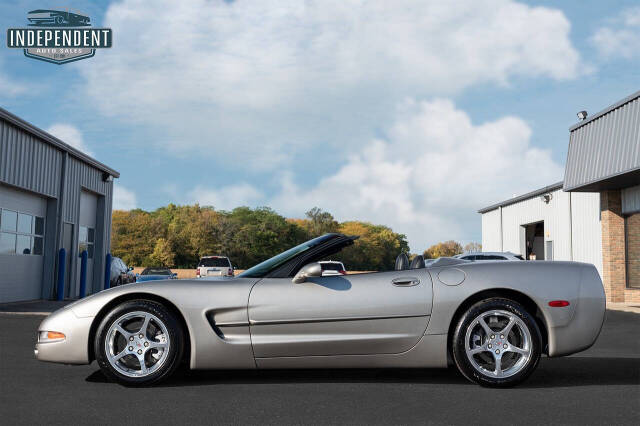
x,y
620,249
632,294
613,246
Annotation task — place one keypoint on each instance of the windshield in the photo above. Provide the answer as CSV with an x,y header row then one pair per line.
x,y
156,271
261,269
213,261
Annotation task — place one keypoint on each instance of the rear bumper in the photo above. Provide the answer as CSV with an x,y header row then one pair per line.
x,y
74,348
583,329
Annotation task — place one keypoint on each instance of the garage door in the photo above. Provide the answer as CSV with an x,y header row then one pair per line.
x,y
22,224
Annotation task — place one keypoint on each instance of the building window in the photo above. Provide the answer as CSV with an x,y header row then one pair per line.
x,y
21,233
86,240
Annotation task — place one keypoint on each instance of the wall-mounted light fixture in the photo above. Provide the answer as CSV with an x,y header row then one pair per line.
x,y
546,198
582,115
107,177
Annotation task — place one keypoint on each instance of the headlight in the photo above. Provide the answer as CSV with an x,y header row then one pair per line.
x,y
50,336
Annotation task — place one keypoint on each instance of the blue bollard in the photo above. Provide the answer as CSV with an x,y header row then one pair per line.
x,y
61,265
107,272
83,273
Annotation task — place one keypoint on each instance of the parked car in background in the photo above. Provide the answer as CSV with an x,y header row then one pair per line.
x,y
120,273
489,255
155,273
332,267
214,266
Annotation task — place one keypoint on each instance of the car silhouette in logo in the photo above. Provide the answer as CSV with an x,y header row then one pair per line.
x,y
57,18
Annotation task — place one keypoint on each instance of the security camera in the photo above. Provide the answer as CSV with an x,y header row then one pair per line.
x,y
582,115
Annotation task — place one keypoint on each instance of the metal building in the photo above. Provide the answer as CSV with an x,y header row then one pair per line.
x,y
546,224
52,196
594,215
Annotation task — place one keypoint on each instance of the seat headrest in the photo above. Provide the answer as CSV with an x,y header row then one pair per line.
x,y
402,262
417,262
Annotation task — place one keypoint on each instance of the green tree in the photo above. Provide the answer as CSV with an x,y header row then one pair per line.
x,y
163,254
320,222
179,235
472,247
375,250
443,249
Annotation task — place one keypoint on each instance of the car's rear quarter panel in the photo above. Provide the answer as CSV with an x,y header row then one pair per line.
x,y
570,329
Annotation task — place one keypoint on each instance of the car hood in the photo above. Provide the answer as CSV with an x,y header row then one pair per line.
x,y
186,292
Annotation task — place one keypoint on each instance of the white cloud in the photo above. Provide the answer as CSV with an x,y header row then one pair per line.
x,y
70,135
260,81
621,37
431,174
226,198
123,198
8,86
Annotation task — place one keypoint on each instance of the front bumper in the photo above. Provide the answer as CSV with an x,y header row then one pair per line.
x,y
74,348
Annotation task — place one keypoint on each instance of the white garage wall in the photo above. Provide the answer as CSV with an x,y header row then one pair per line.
x,y
571,221
491,230
556,223
587,229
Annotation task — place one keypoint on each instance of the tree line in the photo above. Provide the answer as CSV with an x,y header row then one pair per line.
x,y
177,236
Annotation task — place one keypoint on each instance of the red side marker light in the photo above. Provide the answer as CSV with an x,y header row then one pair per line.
x,y
559,303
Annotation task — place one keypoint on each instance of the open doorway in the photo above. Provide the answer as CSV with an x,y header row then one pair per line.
x,y
533,241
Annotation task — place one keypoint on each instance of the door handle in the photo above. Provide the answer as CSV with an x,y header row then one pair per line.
x,y
405,281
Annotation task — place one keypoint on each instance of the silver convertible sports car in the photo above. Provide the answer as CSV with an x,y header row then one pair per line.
x,y
492,320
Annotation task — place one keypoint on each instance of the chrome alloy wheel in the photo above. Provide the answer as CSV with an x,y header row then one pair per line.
x,y
498,344
137,344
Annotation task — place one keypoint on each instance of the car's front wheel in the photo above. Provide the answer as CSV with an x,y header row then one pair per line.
x,y
138,343
497,343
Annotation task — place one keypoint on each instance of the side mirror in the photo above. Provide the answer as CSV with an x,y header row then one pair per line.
x,y
130,268
308,271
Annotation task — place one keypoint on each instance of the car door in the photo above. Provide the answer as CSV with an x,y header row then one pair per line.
x,y
377,313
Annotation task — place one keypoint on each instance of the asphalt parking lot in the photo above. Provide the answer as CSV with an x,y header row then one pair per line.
x,y
598,386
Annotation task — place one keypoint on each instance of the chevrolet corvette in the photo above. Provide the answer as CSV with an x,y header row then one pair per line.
x,y
491,320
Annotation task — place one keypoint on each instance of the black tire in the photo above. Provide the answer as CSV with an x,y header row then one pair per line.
x,y
175,337
468,319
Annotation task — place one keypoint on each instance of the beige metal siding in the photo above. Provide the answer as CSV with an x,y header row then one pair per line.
x,y
605,146
587,229
27,162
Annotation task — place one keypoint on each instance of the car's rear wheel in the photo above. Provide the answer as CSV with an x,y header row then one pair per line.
x,y
139,343
497,343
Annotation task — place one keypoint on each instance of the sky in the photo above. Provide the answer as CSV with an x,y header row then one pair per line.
x,y
411,113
